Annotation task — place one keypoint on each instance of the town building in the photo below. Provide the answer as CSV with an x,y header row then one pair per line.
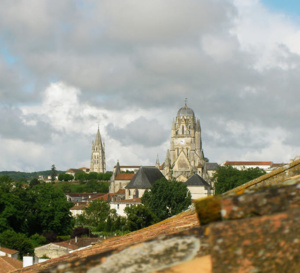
x,y
198,187
185,156
98,163
267,166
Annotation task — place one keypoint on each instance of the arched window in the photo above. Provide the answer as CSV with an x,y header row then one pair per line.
x,y
183,129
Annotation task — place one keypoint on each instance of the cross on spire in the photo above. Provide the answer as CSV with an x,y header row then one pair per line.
x,y
185,101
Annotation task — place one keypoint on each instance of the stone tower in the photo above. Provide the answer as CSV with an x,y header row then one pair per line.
x,y
98,164
185,156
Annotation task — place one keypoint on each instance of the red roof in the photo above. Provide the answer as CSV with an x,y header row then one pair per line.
x,y
8,264
66,245
243,163
125,176
8,250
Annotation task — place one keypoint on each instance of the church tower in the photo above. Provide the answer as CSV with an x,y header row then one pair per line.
x,y
98,164
185,156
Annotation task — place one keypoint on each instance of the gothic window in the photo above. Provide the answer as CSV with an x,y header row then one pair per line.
x,y
187,152
182,129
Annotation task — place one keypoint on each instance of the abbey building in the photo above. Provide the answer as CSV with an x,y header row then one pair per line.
x,y
185,156
98,164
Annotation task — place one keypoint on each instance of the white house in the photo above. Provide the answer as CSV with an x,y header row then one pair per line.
x,y
198,187
120,205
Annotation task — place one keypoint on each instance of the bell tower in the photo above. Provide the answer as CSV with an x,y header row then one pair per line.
x,y
98,164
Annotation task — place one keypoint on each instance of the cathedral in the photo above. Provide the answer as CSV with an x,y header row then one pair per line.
x,y
98,164
185,156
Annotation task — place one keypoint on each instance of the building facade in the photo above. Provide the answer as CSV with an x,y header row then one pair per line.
x,y
185,156
98,164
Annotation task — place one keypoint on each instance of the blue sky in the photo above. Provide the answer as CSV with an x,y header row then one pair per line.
x,y
289,7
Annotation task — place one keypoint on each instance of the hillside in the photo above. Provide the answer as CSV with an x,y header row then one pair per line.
x,y
27,176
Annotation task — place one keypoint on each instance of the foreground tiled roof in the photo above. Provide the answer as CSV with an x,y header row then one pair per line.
x,y
178,223
8,264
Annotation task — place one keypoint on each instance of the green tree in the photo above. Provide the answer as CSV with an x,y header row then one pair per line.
x,y
17,241
34,182
81,176
53,173
97,212
167,198
47,209
227,177
139,216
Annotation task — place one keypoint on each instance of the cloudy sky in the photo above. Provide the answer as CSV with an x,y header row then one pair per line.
x,y
127,65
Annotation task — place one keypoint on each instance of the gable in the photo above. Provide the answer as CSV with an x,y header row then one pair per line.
x,y
182,163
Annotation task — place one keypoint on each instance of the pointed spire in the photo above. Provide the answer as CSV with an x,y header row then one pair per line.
x,y
98,138
157,162
185,102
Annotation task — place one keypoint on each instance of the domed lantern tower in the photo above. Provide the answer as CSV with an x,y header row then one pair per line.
x,y
185,156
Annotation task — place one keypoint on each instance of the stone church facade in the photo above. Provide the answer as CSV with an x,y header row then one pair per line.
x,y
98,164
185,156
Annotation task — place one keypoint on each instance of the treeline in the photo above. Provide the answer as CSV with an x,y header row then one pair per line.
x,y
83,176
24,176
89,186
227,177
29,213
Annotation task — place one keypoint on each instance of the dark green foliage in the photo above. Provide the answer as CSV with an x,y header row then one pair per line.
x,y
97,212
81,176
90,186
65,177
167,198
48,210
53,173
37,240
22,176
81,231
37,209
34,182
17,241
139,216
227,177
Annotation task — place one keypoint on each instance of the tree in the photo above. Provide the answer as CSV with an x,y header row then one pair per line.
x,y
53,173
65,177
17,241
47,209
139,216
227,177
167,198
34,182
81,176
97,212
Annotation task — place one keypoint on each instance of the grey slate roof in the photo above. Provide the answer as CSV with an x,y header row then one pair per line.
x,y
145,178
197,180
185,112
211,166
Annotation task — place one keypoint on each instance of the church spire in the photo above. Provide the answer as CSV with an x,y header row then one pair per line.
x,y
157,164
98,138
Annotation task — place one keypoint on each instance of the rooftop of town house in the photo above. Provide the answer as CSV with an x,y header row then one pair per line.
x,y
124,176
246,163
8,264
8,250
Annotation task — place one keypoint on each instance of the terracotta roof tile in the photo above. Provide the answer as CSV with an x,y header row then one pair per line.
x,y
124,176
128,201
244,163
8,264
8,250
181,222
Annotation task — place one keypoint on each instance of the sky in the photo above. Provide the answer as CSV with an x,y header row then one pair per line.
x,y
67,67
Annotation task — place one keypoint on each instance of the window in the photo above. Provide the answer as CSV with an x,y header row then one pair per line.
x,y
183,129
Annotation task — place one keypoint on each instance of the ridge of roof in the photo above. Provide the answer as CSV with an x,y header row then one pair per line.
x,y
248,163
197,180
